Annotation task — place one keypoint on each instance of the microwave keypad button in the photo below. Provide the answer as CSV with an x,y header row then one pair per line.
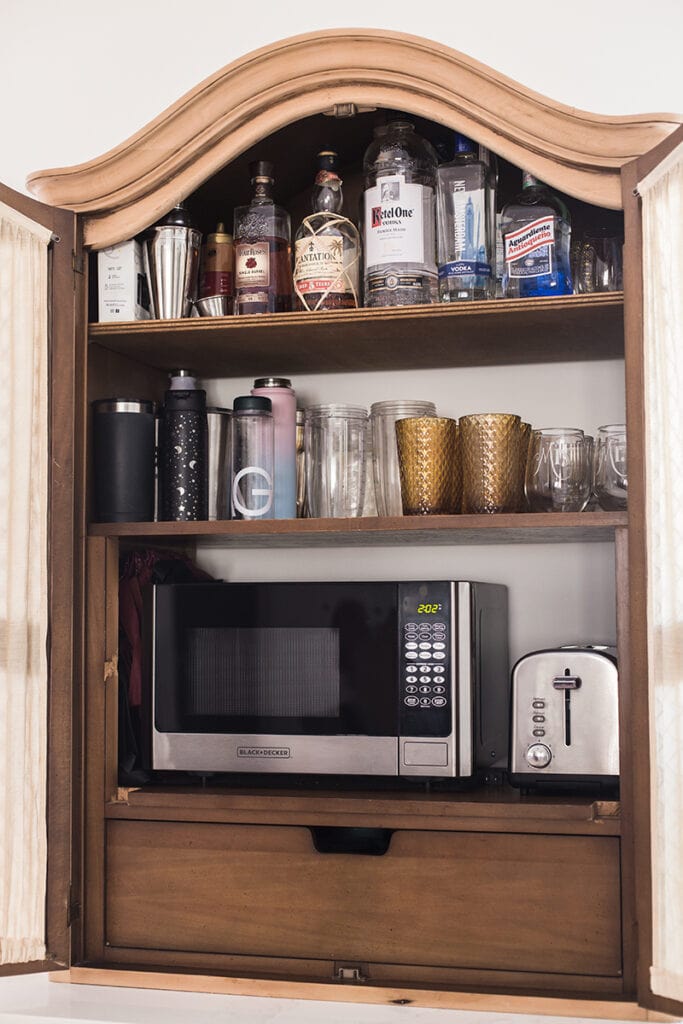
x,y
538,704
411,655
539,732
439,655
538,718
411,702
411,645
411,679
438,646
425,702
425,679
439,689
439,679
426,689
425,645
411,688
439,702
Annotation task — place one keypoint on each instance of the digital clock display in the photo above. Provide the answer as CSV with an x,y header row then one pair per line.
x,y
428,609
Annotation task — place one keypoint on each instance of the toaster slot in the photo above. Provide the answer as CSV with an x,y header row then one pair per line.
x,y
566,684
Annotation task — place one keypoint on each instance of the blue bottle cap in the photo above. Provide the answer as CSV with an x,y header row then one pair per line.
x,y
463,144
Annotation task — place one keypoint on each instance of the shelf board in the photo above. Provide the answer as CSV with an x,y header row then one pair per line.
x,y
500,332
518,528
484,809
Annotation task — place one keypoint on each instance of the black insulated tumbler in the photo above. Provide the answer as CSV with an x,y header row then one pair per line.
x,y
183,463
123,441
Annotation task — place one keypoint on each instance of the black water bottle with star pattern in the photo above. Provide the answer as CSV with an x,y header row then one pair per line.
x,y
183,462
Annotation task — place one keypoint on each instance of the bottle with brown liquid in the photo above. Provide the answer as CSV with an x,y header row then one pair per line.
x,y
217,265
263,236
327,246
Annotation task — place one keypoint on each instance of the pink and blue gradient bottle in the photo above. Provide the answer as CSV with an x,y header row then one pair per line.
x,y
283,398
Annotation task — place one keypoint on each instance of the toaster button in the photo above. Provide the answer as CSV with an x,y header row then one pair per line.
x,y
538,704
538,718
538,755
539,732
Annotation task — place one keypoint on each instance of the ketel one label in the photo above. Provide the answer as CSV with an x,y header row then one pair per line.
x,y
394,222
529,250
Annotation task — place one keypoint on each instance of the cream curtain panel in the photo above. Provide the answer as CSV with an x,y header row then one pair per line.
x,y
662,210
23,587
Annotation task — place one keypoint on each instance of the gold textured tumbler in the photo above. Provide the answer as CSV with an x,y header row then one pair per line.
x,y
429,465
490,462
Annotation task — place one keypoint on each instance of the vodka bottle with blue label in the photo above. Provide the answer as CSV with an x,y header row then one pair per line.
x,y
536,234
399,218
465,236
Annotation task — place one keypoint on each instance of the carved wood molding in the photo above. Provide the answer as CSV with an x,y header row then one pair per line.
x,y
128,188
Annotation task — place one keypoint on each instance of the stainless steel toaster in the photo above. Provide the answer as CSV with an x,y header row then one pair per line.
x,y
565,721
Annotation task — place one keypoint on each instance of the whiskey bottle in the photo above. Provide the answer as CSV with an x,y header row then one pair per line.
x,y
262,233
464,230
327,246
536,232
398,212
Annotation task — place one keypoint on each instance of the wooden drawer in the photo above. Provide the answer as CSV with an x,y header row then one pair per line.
x,y
532,903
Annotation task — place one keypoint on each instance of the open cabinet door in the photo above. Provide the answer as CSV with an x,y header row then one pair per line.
x,y
653,271
65,307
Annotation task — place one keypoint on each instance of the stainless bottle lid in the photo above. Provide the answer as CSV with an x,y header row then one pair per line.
x,y
272,382
123,405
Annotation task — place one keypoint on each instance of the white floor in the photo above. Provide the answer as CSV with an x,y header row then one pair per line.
x,y
33,999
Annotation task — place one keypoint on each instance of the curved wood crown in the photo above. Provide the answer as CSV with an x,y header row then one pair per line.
x,y
128,188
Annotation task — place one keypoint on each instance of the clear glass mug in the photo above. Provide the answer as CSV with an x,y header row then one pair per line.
x,y
610,467
383,417
598,265
334,445
559,470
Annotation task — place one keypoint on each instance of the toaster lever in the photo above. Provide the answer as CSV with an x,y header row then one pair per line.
x,y
567,682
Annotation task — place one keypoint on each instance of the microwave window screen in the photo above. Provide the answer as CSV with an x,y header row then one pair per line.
x,y
265,672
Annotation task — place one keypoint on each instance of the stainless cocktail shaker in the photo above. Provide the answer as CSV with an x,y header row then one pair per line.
x,y
172,264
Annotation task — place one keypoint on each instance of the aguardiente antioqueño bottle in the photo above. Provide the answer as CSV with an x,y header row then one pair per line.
x,y
536,232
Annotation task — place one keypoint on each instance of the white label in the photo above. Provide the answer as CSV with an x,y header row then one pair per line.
x,y
532,236
394,222
252,265
319,264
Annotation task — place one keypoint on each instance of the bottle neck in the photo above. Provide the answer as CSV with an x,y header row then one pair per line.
x,y
528,181
263,191
327,195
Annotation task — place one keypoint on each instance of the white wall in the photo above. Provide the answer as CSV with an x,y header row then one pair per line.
x,y
78,77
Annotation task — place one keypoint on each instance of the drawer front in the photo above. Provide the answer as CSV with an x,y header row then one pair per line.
x,y
488,901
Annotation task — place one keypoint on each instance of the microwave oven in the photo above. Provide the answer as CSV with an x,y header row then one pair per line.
x,y
335,678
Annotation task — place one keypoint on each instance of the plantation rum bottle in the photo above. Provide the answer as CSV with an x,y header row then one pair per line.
x,y
536,234
327,246
398,218
262,238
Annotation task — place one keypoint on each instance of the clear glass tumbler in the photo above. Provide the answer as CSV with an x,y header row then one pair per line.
x,y
558,472
610,469
383,416
334,442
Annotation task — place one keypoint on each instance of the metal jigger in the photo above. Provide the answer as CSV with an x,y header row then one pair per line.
x,y
172,262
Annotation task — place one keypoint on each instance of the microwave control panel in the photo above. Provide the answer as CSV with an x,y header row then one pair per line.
x,y
425,682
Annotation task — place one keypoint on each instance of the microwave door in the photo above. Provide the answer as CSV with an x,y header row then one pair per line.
x,y
285,678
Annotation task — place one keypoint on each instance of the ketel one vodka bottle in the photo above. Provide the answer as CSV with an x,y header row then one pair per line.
x,y
398,218
327,246
262,232
536,235
464,230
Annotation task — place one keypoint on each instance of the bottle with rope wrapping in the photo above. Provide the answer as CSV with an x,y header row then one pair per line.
x,y
327,246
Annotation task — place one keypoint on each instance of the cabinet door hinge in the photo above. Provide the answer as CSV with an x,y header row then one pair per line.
x,y
78,262
73,910
350,973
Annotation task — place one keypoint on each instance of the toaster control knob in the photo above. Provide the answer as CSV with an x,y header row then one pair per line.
x,y
538,755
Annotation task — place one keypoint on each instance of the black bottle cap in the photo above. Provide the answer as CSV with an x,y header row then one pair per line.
x,y
261,169
185,401
179,216
252,403
328,160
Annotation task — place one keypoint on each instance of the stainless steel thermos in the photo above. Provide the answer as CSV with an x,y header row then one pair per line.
x,y
183,463
123,441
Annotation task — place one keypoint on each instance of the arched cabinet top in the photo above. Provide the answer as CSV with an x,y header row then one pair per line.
x,y
123,191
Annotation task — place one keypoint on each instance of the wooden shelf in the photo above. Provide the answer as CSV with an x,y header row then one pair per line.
x,y
500,332
519,528
485,809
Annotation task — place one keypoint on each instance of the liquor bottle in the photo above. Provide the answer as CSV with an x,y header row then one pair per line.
x,y
464,229
327,246
262,231
398,218
536,233
217,264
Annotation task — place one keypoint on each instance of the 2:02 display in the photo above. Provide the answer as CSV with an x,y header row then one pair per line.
x,y
428,609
